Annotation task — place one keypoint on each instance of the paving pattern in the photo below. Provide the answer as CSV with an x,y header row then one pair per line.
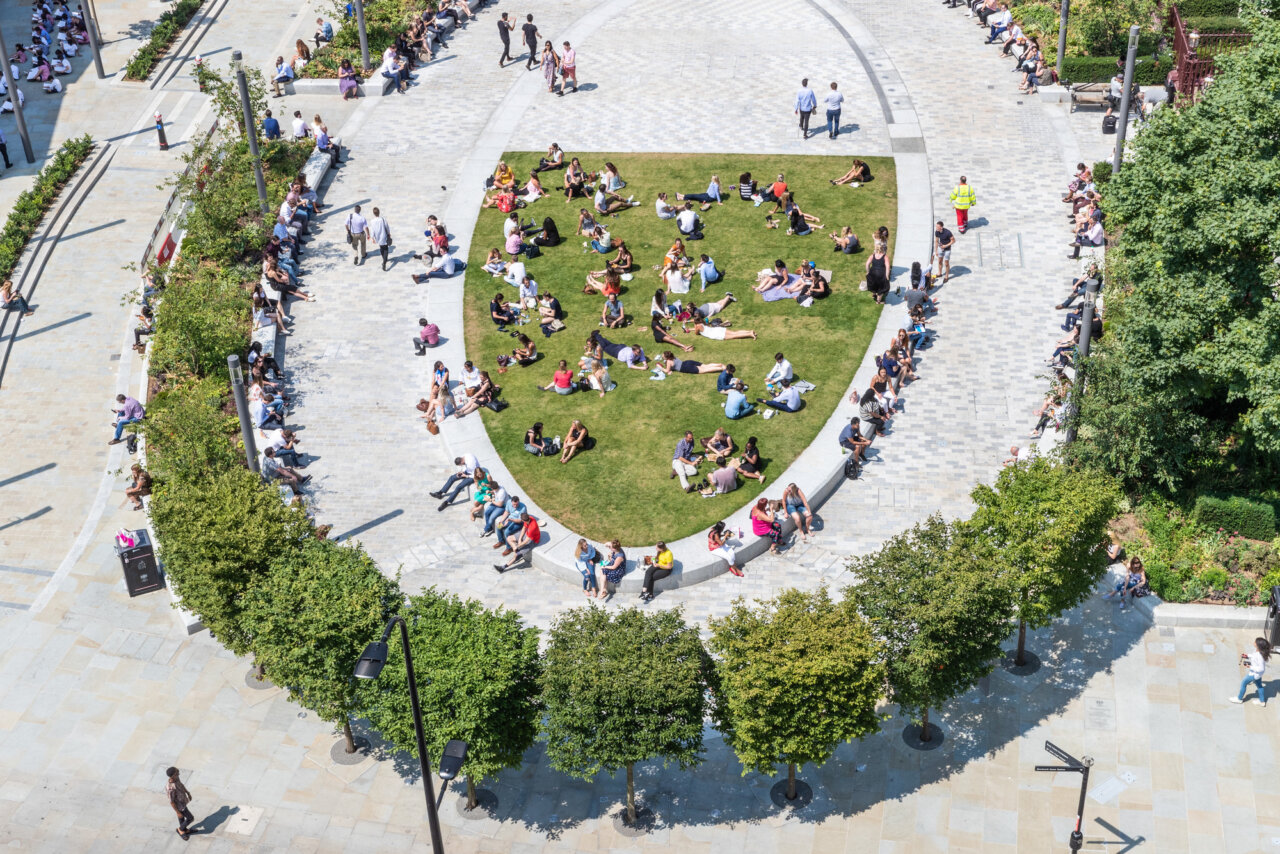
x,y
101,692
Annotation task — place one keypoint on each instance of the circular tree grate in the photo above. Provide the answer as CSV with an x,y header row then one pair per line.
x,y
778,794
338,753
911,737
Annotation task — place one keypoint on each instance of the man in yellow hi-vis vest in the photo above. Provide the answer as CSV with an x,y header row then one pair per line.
x,y
963,198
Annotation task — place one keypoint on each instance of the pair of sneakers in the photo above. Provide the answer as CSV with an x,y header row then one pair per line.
x,y
1237,701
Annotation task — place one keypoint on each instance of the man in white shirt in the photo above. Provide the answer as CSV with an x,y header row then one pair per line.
x,y
688,223
358,233
781,371
282,74
786,400
516,273
512,223
301,130
664,210
459,480
380,234
834,101
633,357
1000,22
470,378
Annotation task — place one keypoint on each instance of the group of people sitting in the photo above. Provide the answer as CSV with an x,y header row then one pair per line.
x,y
56,35
996,18
502,512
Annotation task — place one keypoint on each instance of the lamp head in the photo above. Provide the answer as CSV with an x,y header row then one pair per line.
x,y
237,60
372,660
455,753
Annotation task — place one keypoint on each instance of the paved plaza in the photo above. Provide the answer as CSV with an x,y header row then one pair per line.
x,y
101,692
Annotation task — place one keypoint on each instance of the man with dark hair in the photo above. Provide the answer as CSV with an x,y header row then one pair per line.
x,y
179,797
531,36
130,412
459,480
530,536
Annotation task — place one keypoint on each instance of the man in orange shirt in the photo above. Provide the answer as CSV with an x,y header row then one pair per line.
x,y
530,536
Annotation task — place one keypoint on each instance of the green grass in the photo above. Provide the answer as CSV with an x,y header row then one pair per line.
x,y
621,487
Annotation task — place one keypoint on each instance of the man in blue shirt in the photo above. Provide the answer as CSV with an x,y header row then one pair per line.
x,y
735,405
509,522
324,32
328,146
270,127
851,439
725,380
282,74
707,271
806,103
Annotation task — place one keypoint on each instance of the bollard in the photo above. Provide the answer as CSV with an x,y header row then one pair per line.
x,y
164,142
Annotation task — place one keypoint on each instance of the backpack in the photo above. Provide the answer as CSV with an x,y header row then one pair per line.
x,y
1109,124
851,467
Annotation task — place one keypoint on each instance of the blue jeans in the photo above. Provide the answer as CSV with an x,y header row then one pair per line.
x,y
588,571
491,515
600,247
995,32
781,407
699,197
121,423
288,457
1262,691
461,481
506,531
833,122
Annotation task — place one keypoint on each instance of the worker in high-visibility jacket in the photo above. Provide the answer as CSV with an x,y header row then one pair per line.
x,y
963,198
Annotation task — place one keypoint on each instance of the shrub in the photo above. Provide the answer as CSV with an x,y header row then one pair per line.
x,y
1237,514
383,20
1040,20
1271,579
1101,172
166,30
1214,578
204,315
31,205
1207,8
189,438
1218,24
1100,69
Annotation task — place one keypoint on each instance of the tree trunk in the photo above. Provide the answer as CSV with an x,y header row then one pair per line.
x,y
791,781
262,671
1021,658
471,793
631,795
924,726
346,731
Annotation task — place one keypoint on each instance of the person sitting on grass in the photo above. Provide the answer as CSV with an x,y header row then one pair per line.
x,y
608,204
859,173
719,445
713,194
610,284
676,278
671,365
504,200
676,255
500,313
749,464
493,264
777,278
725,381
575,181
811,284
719,333
845,241
586,223
598,376
504,178
613,315
707,271
684,463
526,352
722,479
786,400
764,525
562,381
601,241
662,336
537,444
549,312
689,223
735,404
553,159
657,568
529,537
575,441
718,545
664,210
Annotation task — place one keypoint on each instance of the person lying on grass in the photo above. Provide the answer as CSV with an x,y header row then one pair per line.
x,y
671,365
719,333
662,336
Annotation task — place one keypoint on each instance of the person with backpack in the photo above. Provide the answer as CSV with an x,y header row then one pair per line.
x,y
1257,664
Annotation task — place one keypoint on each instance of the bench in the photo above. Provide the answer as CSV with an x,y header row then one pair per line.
x,y
1094,94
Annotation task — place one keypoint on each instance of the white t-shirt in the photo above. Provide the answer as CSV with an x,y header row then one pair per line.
x,y
379,231
356,223
516,272
471,378
686,220
508,226
664,210
528,289
300,128
781,371
834,100
470,463
274,439
790,398
1257,664
715,333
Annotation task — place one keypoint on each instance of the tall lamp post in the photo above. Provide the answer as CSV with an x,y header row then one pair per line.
x,y
242,408
250,129
1062,36
364,36
1091,287
16,101
94,41
369,667
1123,127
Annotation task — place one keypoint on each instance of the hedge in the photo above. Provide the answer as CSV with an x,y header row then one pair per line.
x,y
1100,69
162,35
1218,24
1207,8
1255,520
31,205
383,21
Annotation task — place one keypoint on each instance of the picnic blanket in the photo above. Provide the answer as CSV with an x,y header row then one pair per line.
x,y
780,292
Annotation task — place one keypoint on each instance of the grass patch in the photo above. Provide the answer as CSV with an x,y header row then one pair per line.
x,y
621,487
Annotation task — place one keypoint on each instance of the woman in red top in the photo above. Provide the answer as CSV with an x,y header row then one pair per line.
x,y
562,381
763,525
718,545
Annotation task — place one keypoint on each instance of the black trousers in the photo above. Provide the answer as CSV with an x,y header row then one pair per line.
x,y
533,54
4,151
184,819
652,574
804,120
506,51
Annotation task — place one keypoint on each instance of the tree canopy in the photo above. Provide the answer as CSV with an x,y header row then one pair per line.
x,y
1184,383
795,677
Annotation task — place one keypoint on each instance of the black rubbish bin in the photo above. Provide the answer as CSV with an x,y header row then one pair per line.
x,y
141,573
1271,629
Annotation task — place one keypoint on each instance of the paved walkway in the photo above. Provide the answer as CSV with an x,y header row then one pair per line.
x,y
102,692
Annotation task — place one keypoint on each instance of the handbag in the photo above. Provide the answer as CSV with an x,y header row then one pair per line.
x,y
422,405
433,428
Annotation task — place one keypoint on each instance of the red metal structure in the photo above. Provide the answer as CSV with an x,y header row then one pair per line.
x,y
1195,55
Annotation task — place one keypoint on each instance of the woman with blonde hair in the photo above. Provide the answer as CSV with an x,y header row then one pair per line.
x,y
586,558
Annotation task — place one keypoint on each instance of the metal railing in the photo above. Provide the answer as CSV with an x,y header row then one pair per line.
x,y
172,209
1195,65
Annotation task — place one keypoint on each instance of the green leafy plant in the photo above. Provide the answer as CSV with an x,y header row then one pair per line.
x,y
163,34
477,671
1207,8
1215,578
384,20
795,677
189,437
203,317
31,205
932,598
620,688
1237,514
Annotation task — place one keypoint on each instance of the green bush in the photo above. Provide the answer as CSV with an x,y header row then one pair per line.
x,y
1101,172
162,35
204,316
31,205
1214,578
1040,20
189,437
1100,69
1236,515
1218,24
1271,579
1207,8
383,20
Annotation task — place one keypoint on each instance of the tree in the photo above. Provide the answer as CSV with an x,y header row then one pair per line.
x,y
795,677
933,599
217,538
477,673
1182,386
311,615
622,688
1046,522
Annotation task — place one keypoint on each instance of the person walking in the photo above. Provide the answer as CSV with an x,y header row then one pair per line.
x,y
943,240
568,68
380,234
530,30
834,101
550,64
4,151
963,198
1257,663
358,233
504,32
179,797
806,103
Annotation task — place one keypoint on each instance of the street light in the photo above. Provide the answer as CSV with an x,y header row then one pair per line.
x,y
370,666
250,130
1076,766
242,407
1123,127
16,101
364,37
94,41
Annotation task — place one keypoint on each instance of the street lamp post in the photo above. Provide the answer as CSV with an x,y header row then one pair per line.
x,y
16,101
94,41
364,37
1062,36
455,753
1091,287
250,129
1123,127
242,407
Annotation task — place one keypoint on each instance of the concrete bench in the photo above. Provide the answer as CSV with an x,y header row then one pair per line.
x,y
1093,94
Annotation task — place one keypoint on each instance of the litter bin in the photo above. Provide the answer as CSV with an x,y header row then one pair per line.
x,y
1271,629
141,574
